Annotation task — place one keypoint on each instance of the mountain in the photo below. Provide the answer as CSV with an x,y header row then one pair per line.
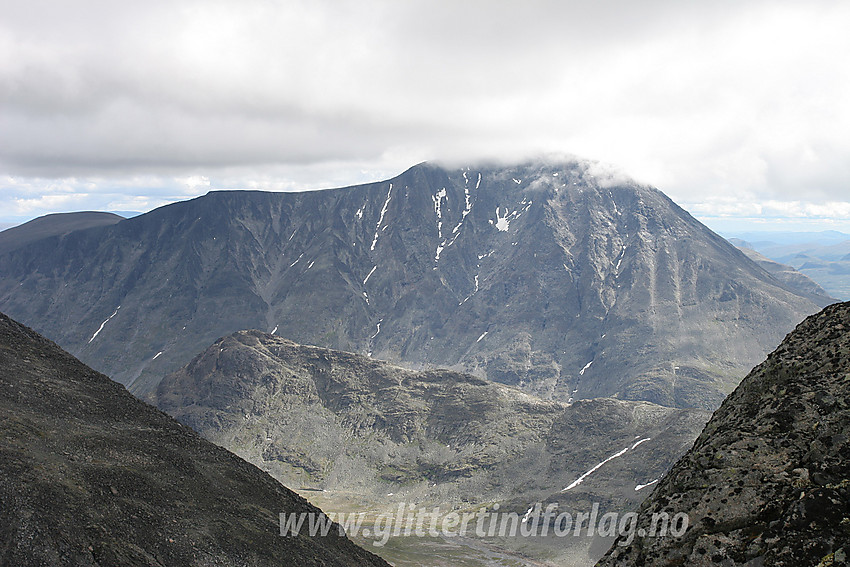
x,y
834,275
89,475
768,480
364,434
787,275
551,275
776,238
57,224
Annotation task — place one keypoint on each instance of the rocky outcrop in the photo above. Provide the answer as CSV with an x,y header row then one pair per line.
x,y
89,476
768,480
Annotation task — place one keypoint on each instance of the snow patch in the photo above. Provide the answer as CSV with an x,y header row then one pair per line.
x,y
642,486
437,254
586,366
467,208
438,210
580,479
96,333
156,355
372,271
620,257
381,218
484,334
274,330
296,261
502,223
378,329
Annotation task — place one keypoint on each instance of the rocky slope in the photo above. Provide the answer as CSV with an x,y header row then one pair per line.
x,y
768,480
89,475
366,435
551,275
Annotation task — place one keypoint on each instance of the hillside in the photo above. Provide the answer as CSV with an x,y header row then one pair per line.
x,y
89,475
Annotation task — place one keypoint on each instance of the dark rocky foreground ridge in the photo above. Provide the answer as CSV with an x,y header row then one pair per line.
x,y
91,476
555,276
768,481
367,435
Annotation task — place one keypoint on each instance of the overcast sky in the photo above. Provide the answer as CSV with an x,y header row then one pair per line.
x,y
740,111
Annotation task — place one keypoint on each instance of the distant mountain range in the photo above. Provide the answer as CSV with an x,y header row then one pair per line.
x,y
552,276
91,476
787,274
822,256
778,238
57,224
768,480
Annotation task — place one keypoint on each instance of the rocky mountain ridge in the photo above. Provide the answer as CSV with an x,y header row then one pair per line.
x,y
768,480
554,276
359,434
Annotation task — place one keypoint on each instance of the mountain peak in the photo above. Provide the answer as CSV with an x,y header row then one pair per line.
x,y
554,275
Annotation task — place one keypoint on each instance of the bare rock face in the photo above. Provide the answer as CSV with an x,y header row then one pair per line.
x,y
554,276
768,480
344,422
366,435
89,476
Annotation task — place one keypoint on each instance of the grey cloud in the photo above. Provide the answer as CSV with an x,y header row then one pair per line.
x,y
693,96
